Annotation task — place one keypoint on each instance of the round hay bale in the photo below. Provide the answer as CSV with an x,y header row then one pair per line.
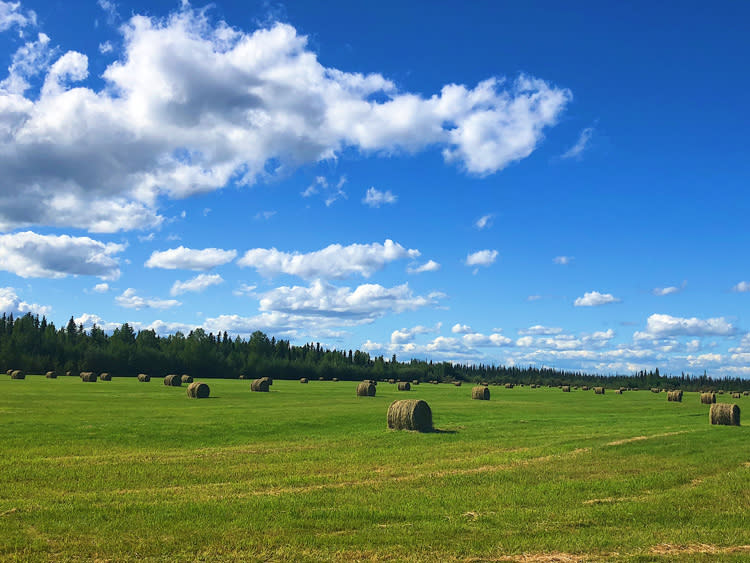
x,y
260,385
173,380
404,386
708,398
198,390
105,376
144,377
321,379
51,375
736,396
89,376
334,379
585,388
480,393
457,383
185,378
721,391
69,374
410,414
303,380
509,386
9,372
566,388
242,376
618,391
366,389
724,414
599,390
415,381
17,374
391,381
746,393
675,396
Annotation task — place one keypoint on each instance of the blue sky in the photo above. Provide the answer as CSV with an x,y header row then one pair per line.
x,y
510,183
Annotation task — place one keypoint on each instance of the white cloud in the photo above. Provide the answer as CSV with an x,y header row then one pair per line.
x,y
583,140
661,291
331,191
538,330
196,285
481,258
190,104
245,289
190,259
662,326
266,215
484,222
429,266
594,299
376,198
29,60
406,335
458,328
106,47
110,9
332,262
101,288
742,287
562,260
88,320
363,304
31,255
477,339
130,300
11,15
11,303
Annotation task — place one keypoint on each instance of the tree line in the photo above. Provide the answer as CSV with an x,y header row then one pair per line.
x,y
37,346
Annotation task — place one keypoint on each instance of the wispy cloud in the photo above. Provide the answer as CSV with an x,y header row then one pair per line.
x,y
484,222
583,140
376,198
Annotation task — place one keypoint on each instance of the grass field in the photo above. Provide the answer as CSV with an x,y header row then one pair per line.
x,y
124,470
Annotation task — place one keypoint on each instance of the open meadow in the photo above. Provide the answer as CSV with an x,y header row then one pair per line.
x,y
125,470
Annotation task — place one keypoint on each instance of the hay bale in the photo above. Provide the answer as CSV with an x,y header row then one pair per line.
x,y
736,396
655,390
404,386
566,388
185,378
303,380
618,391
410,414
480,393
17,374
366,389
708,398
50,375
144,377
746,393
260,385
198,390
415,381
391,381
9,372
457,383
69,373
89,376
334,379
173,380
724,414
675,396
509,386
242,376
321,379
105,376
721,391
599,390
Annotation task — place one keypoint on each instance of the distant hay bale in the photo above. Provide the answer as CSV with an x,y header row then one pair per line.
x,y
242,376
17,374
69,374
655,390
410,414
366,389
736,396
435,382
480,393
708,398
9,372
173,380
721,391
623,388
105,376
415,381
724,414
457,383
566,388
509,386
321,379
260,385
185,378
404,386
391,381
334,379
585,388
675,396
89,376
618,391
198,390
746,393
303,380
50,375
373,381
599,390
144,377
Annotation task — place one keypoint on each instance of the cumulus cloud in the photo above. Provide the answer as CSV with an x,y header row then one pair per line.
x,y
406,335
429,266
190,259
458,328
742,287
538,330
363,304
11,15
101,288
11,303
662,326
130,300
481,258
562,260
484,222
583,140
197,284
332,262
191,104
31,255
595,299
477,339
376,198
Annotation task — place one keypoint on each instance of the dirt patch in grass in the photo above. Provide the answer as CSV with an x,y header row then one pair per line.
x,y
552,557
668,549
639,438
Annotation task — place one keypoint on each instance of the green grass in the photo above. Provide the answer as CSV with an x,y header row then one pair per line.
x,y
124,470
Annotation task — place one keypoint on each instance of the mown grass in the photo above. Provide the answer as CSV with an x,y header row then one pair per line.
x,y
124,470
